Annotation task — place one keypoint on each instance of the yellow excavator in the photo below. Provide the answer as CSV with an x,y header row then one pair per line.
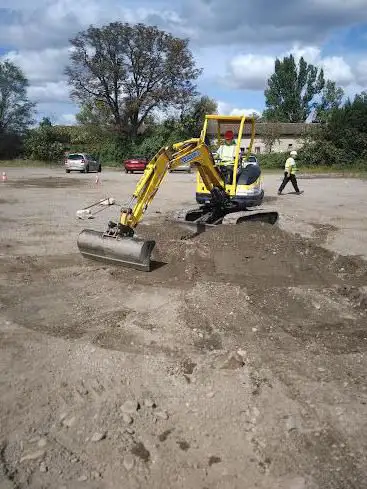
x,y
228,193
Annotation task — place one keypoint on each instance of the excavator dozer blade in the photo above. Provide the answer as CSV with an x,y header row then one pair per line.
x,y
129,252
268,216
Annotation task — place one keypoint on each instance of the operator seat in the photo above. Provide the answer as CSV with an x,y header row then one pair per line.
x,y
248,174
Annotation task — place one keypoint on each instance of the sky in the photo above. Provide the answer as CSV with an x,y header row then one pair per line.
x,y
235,43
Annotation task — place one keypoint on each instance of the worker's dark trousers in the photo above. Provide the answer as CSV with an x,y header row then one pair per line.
x,y
286,179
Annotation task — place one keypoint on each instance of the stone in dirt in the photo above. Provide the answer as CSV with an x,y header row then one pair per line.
x,y
33,455
69,422
149,403
129,407
129,462
162,415
98,436
233,362
127,418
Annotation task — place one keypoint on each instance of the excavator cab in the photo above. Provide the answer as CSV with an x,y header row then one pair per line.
x,y
224,136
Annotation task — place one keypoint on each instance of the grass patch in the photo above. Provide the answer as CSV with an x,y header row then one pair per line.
x,y
28,164
47,164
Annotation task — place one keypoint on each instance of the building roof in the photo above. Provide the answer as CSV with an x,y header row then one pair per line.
x,y
262,128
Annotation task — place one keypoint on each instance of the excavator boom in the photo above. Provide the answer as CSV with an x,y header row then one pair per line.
x,y
118,245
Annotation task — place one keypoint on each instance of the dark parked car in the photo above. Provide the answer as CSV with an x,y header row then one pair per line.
x,y
135,163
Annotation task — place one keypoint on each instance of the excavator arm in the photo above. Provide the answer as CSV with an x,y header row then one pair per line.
x,y
192,151
117,244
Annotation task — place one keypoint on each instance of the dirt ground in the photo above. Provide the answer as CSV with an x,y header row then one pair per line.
x,y
239,362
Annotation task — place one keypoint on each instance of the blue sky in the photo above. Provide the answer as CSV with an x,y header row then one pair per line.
x,y
236,46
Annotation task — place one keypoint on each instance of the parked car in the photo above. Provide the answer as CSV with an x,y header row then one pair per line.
x,y
135,163
251,159
183,167
82,162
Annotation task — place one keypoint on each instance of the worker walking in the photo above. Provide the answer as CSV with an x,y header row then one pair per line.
x,y
290,169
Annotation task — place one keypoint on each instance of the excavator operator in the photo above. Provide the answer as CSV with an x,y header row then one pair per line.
x,y
225,156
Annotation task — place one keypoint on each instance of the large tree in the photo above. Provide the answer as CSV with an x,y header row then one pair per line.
x,y
16,110
193,115
343,140
132,70
331,99
292,89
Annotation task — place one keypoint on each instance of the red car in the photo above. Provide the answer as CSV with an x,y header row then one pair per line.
x,y
136,163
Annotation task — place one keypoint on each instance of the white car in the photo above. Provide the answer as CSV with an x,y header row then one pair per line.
x,y
182,167
82,162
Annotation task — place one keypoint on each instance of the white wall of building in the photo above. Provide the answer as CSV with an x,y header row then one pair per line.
x,y
281,145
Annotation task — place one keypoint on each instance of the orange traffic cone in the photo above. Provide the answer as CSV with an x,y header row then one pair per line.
x,y
4,178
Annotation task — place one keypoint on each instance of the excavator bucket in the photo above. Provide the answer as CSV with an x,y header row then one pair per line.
x,y
129,252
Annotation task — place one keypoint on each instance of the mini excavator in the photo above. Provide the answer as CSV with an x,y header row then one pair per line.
x,y
226,194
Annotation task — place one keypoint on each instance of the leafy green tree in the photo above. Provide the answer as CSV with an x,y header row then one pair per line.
x,y
343,140
291,90
95,116
331,99
45,122
133,70
257,117
346,127
16,110
43,144
192,117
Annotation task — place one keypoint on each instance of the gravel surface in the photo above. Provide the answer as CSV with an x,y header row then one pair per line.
x,y
239,361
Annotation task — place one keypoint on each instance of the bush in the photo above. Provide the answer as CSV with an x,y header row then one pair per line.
x,y
272,160
324,153
41,144
112,151
11,146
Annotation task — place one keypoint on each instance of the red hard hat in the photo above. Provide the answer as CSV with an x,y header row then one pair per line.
x,y
228,135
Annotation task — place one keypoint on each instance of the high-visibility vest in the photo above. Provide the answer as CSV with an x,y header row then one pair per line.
x,y
290,166
227,153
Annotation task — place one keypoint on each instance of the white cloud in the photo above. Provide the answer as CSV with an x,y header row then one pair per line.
x,y
335,67
251,71
38,33
361,70
262,22
225,108
52,23
55,92
338,70
66,119
40,66
311,54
